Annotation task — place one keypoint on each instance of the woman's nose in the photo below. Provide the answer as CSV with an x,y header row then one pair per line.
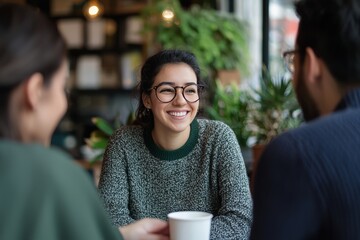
x,y
179,98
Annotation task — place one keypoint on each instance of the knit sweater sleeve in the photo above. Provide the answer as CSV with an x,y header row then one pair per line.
x,y
234,218
113,180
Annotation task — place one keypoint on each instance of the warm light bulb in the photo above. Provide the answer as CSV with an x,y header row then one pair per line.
x,y
93,9
168,15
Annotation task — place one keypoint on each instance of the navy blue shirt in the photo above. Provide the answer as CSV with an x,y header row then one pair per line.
x,y
307,184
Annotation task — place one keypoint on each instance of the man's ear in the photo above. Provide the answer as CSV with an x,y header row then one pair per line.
x,y
146,100
312,66
33,90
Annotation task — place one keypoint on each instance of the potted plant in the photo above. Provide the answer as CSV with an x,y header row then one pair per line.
x,y
231,105
274,109
218,40
100,136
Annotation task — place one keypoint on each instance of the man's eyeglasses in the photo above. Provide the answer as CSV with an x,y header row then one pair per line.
x,y
166,93
289,59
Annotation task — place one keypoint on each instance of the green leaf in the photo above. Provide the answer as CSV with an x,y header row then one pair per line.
x,y
97,158
103,125
218,40
96,143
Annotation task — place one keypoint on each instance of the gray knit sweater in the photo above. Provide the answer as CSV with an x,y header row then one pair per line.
x,y
208,174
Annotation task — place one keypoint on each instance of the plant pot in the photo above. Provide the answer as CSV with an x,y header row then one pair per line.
x,y
227,77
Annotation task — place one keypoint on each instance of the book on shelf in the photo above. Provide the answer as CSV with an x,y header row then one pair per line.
x,y
130,64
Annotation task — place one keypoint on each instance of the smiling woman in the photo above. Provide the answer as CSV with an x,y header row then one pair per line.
x,y
171,161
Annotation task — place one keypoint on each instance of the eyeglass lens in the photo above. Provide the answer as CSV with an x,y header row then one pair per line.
x,y
166,93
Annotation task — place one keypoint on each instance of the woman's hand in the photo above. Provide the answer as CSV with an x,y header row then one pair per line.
x,y
146,229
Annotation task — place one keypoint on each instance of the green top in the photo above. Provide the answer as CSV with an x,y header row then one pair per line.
x,y
208,174
45,196
175,154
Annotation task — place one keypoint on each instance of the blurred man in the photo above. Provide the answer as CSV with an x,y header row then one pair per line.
x,y
308,180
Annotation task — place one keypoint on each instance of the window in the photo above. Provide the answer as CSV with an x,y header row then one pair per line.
x,y
283,25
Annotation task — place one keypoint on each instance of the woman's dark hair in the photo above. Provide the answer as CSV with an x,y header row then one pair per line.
x,y
332,29
29,43
150,69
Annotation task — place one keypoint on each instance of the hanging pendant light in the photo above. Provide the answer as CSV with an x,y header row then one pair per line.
x,y
93,9
168,16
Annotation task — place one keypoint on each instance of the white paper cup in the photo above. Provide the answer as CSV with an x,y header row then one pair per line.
x,y
190,225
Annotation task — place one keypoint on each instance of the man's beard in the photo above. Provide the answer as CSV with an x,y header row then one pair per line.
x,y
306,101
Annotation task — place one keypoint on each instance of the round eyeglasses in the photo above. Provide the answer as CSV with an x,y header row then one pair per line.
x,y
166,93
289,60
